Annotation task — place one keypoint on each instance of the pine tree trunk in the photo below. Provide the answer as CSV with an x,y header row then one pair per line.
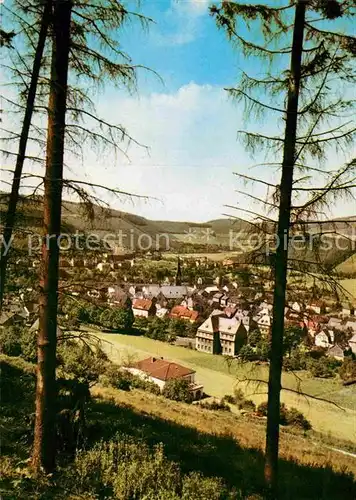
x,y
281,260
44,448
14,195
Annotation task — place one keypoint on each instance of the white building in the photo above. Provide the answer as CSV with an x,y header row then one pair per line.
x,y
352,343
264,324
160,371
325,338
143,308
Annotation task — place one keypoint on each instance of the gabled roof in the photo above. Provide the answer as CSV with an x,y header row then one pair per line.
x,y
227,325
142,304
230,311
151,290
334,322
174,291
5,316
184,313
351,324
162,369
336,349
264,320
210,325
329,334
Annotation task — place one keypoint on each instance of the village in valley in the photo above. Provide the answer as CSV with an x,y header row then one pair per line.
x,y
219,307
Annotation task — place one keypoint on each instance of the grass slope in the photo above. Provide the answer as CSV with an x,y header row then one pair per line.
x,y
216,444
348,266
220,378
350,286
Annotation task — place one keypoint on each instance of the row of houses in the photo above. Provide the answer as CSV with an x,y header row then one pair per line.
x,y
146,308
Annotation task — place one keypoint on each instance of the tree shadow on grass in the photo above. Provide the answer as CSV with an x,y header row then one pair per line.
x,y
221,456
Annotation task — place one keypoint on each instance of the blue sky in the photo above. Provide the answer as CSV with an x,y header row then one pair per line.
x,y
182,44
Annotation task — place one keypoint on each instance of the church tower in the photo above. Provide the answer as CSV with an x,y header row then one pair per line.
x,y
178,280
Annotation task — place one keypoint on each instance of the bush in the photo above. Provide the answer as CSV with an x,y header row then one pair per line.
x,y
239,400
122,319
322,368
18,341
28,344
80,361
10,341
125,469
247,405
178,390
287,416
228,398
141,323
254,337
347,370
115,377
157,329
263,350
197,487
296,361
145,385
297,419
215,405
262,410
247,353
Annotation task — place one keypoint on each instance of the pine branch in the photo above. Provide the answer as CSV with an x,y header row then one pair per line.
x,y
118,128
238,93
258,216
260,200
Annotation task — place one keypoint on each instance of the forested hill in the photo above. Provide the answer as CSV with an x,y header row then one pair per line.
x,y
184,235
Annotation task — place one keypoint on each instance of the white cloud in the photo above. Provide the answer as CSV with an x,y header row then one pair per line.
x,y
182,22
192,7
193,152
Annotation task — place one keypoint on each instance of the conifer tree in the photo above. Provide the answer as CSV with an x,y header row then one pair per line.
x,y
84,51
304,92
20,159
43,454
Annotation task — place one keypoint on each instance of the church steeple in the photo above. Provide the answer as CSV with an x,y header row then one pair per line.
x,y
179,273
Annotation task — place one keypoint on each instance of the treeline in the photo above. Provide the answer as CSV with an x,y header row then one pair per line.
x,y
77,312
165,329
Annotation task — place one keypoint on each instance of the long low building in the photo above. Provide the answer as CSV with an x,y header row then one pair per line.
x,y
160,371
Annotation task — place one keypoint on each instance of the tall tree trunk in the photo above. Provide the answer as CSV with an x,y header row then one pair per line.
x,y
44,448
14,195
281,260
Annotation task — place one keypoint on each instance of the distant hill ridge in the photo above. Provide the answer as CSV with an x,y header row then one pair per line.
x,y
215,233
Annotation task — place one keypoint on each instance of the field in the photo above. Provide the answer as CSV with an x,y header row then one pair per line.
x,y
220,378
350,286
348,266
215,257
